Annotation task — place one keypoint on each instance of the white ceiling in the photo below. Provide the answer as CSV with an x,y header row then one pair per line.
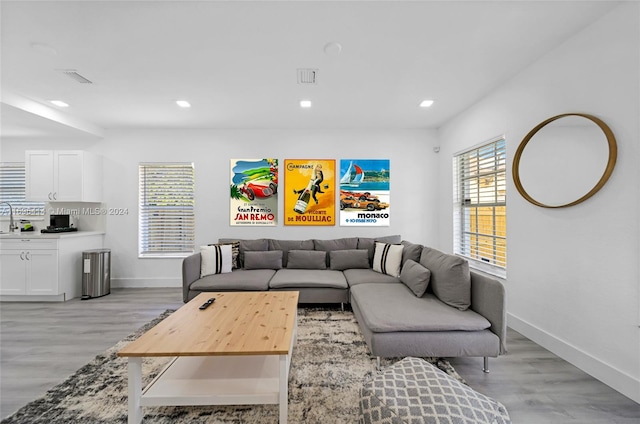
x,y
236,61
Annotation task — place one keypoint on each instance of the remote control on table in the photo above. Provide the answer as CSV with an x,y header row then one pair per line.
x,y
206,304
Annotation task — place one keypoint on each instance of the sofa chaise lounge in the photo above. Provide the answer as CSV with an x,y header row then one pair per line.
x,y
408,299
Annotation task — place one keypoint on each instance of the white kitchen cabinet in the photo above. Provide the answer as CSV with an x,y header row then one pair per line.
x,y
39,268
63,176
43,264
30,270
13,273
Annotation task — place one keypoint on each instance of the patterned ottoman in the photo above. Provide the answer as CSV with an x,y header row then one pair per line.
x,y
412,391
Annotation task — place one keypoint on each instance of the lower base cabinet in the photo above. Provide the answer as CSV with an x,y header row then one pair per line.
x,y
29,272
33,269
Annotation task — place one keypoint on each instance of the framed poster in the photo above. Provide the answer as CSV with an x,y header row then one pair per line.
x,y
364,192
254,192
309,187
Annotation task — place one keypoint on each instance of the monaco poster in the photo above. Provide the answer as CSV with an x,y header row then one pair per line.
x,y
364,192
254,192
309,192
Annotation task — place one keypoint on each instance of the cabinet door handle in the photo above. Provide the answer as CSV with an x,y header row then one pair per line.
x,y
54,196
50,196
26,255
22,256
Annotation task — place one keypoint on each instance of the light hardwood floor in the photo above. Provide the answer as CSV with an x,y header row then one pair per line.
x,y
43,343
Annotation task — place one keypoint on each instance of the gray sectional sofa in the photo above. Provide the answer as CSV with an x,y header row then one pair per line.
x,y
408,299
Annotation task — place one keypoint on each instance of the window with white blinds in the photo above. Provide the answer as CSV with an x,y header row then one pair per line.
x,y
480,204
13,190
166,209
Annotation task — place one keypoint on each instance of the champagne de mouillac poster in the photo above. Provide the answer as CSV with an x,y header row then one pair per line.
x,y
309,187
254,192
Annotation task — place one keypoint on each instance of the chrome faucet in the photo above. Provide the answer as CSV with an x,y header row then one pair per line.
x,y
12,226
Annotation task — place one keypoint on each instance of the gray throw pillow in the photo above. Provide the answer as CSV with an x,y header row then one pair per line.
x,y
271,259
450,277
415,276
340,260
307,259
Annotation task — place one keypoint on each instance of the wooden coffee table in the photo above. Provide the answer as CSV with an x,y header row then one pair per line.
x,y
235,352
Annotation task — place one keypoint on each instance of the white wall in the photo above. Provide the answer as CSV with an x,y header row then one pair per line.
x,y
413,183
572,278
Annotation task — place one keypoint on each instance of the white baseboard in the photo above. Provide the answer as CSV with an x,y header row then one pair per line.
x,y
145,282
609,375
32,298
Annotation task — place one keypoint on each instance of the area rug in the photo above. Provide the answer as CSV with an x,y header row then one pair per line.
x,y
330,362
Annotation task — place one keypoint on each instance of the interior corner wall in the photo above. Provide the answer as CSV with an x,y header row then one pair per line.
x,y
572,277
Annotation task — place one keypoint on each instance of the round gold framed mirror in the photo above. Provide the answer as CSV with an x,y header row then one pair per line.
x,y
565,159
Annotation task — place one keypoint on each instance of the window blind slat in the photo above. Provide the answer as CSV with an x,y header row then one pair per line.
x,y
166,209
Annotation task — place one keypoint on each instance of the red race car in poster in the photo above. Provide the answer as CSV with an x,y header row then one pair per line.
x,y
253,190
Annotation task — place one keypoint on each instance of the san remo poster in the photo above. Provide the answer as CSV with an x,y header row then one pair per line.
x,y
254,192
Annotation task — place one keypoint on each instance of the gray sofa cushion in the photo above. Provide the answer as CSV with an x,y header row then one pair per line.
x,y
335,244
415,276
308,278
363,276
307,259
258,244
393,308
411,251
271,259
286,245
450,277
238,279
348,259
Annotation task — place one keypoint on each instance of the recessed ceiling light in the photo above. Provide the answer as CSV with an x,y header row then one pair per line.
x,y
426,103
183,103
59,103
305,103
333,48
44,48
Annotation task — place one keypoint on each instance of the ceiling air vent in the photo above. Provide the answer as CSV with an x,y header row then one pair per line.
x,y
73,74
307,76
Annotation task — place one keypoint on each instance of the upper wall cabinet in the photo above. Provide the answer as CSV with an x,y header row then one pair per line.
x,y
63,176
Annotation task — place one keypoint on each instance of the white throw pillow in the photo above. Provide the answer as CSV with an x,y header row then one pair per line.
x,y
387,258
215,259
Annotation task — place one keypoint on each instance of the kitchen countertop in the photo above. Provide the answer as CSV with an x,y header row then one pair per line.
x,y
39,235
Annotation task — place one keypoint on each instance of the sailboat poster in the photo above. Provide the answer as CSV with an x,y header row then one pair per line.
x,y
364,193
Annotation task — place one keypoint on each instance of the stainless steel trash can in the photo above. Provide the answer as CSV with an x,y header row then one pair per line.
x,y
96,273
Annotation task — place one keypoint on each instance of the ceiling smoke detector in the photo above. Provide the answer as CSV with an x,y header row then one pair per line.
x,y
307,76
73,74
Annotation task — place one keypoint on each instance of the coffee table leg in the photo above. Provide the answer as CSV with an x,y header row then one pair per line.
x,y
284,388
135,390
